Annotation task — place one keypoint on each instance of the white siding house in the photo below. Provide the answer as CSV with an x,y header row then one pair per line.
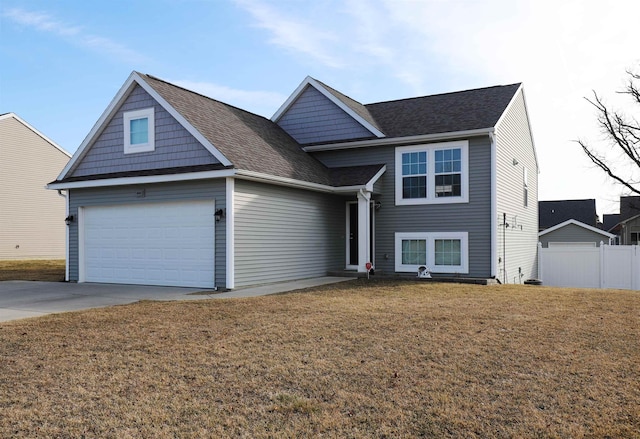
x,y
32,219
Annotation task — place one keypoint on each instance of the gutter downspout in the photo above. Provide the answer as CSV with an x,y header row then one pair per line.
x,y
66,238
494,206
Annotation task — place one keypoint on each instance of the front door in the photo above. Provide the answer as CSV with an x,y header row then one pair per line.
x,y
352,235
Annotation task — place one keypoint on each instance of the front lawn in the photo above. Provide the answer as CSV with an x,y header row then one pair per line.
x,y
33,269
359,359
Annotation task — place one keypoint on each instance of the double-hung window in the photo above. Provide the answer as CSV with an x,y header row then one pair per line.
x,y
139,131
440,252
432,174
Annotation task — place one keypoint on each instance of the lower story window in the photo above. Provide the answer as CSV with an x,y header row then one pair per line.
x,y
441,252
448,252
414,251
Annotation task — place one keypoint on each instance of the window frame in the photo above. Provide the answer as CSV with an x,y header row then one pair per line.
x,y
431,197
430,238
127,117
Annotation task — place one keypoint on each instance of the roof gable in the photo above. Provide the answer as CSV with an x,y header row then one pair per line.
x,y
135,79
316,108
7,116
572,222
174,146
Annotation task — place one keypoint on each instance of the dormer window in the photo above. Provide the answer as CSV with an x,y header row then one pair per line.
x,y
139,131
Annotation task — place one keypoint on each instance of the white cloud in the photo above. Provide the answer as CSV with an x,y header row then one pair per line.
x,y
260,102
75,34
40,21
293,34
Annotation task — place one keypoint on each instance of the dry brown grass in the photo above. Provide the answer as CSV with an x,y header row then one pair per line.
x,y
33,269
380,359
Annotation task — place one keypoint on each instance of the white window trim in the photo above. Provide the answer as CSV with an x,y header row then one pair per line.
x,y
431,174
128,116
430,238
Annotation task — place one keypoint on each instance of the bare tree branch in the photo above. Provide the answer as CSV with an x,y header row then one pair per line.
x,y
623,132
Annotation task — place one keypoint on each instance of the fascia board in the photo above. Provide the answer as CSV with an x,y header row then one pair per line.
x,y
290,100
375,178
123,181
376,132
315,84
577,223
282,181
526,110
29,126
100,124
398,141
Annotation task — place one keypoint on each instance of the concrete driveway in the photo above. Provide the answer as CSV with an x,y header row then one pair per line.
x,y
23,299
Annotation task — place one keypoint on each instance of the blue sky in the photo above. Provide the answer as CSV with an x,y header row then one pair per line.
x,y
61,62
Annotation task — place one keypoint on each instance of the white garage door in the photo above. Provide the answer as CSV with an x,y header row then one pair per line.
x,y
168,243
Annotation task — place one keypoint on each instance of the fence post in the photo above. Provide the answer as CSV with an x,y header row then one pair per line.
x,y
634,272
540,276
602,265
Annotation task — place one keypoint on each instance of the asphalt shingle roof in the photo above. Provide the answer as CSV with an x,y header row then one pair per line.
x,y
353,175
552,213
249,141
443,113
253,143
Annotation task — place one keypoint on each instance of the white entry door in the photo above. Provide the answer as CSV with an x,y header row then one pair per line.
x,y
169,243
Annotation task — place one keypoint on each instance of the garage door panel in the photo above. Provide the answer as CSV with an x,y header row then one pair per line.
x,y
150,244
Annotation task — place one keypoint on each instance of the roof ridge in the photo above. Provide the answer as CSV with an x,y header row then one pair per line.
x,y
359,108
444,94
201,95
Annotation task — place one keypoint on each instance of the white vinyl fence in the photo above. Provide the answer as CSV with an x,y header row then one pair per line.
x,y
607,266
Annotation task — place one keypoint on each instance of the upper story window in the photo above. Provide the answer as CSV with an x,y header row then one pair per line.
x,y
139,131
431,174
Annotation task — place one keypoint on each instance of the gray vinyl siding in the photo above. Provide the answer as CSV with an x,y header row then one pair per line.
x,y
314,118
283,233
627,228
181,191
473,217
174,145
31,217
572,233
517,243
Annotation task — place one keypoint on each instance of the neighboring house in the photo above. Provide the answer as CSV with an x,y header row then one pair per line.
x,y
574,233
173,188
610,220
623,224
31,217
628,231
552,213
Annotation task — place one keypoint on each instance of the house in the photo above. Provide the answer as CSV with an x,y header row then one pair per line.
x,y
574,233
174,188
628,231
552,213
610,220
31,217
625,225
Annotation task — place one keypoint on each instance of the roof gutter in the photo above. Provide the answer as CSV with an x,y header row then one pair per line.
x,y
291,182
123,181
238,173
399,140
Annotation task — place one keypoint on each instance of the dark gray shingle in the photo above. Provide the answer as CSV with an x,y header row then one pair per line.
x,y
443,113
